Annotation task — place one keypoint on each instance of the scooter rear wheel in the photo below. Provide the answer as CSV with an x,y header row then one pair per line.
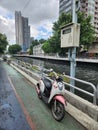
x,y
58,112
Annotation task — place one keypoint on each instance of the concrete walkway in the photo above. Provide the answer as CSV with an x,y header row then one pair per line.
x,y
40,114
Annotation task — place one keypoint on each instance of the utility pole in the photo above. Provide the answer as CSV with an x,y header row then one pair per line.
x,y
70,35
72,51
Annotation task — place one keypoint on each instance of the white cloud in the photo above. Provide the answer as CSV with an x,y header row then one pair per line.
x,y
41,13
48,26
44,30
7,26
34,31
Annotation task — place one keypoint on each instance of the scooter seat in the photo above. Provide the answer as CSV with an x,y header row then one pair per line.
x,y
48,86
47,83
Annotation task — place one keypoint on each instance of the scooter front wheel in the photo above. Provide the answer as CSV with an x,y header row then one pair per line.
x,y
58,110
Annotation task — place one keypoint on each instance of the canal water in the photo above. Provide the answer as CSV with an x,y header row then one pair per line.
x,y
85,72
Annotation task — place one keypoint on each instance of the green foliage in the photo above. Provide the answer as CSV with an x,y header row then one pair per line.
x,y
87,33
13,49
46,47
54,41
3,42
65,79
41,41
35,43
31,50
35,68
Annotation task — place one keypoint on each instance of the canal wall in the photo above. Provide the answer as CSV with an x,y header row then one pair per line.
x,y
85,112
54,58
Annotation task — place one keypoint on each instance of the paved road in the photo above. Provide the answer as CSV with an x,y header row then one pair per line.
x,y
11,114
40,114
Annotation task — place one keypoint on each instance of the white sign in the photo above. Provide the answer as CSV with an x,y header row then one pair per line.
x,y
70,35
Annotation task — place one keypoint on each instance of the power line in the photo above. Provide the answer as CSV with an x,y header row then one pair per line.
x,y
26,5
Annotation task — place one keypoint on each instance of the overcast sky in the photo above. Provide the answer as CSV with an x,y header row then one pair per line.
x,y
41,15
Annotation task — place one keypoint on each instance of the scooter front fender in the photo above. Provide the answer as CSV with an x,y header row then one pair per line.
x,y
61,99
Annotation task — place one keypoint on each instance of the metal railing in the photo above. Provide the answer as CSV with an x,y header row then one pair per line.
x,y
94,94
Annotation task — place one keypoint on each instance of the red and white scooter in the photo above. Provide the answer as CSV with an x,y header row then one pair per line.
x,y
52,93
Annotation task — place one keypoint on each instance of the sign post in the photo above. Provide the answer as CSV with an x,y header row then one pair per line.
x,y
73,51
70,35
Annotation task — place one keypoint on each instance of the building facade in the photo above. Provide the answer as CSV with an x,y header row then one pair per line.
x,y
37,50
89,7
22,30
65,6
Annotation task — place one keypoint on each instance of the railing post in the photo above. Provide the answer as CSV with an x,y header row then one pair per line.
x,y
97,92
95,98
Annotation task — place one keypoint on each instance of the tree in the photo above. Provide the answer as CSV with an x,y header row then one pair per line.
x,y
13,49
87,33
46,47
41,41
31,50
35,43
54,41
3,42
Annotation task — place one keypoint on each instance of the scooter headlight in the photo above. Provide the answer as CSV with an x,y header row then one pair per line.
x,y
60,85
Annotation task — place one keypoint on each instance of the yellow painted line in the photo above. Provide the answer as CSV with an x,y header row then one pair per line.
x,y
28,118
